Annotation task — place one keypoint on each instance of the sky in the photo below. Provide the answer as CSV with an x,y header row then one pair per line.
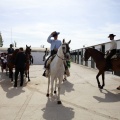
x,y
84,22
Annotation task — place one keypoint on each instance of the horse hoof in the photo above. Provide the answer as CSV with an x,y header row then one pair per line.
x,y
59,102
102,87
47,95
29,80
99,86
118,88
55,92
64,80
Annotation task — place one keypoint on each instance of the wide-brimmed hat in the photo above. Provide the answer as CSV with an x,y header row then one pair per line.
x,y
56,33
111,35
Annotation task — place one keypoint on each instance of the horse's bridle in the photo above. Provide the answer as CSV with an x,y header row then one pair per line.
x,y
63,53
60,57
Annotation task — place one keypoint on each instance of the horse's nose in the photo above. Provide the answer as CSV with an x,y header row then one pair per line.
x,y
67,56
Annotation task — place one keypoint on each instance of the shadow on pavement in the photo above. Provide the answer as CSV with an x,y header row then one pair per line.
x,y
109,97
53,111
7,86
66,87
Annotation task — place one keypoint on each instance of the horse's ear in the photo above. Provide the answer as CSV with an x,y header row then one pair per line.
x,y
69,42
30,45
63,41
26,46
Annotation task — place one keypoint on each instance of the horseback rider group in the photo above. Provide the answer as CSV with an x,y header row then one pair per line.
x,y
55,44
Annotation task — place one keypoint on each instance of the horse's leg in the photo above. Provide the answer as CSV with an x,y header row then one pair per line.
x,y
65,77
97,77
59,86
52,82
9,72
2,69
28,76
103,80
55,86
48,86
25,72
6,70
12,75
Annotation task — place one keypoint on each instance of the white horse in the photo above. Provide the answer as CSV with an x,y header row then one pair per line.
x,y
57,69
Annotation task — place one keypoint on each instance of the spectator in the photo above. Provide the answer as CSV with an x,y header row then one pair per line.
x,y
20,62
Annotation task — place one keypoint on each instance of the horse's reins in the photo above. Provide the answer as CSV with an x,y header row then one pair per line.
x,y
60,57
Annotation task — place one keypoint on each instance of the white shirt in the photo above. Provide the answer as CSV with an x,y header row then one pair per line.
x,y
4,61
113,45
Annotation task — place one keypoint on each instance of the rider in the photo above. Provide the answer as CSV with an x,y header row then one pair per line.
x,y
55,44
46,53
10,50
112,51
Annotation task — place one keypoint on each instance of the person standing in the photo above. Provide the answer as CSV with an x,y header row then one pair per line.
x,y
111,51
20,62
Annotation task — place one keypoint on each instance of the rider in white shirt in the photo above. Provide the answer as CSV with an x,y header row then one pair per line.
x,y
112,50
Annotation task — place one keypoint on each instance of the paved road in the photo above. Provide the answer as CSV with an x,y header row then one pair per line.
x,y
80,96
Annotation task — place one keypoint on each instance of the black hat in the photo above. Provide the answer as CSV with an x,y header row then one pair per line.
x,y
56,33
11,44
111,35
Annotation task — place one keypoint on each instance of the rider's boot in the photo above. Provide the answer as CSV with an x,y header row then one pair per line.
x,y
108,65
46,73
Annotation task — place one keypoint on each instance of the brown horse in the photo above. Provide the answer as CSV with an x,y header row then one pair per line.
x,y
10,63
28,61
100,61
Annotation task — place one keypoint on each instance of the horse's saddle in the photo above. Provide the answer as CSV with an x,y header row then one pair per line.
x,y
49,61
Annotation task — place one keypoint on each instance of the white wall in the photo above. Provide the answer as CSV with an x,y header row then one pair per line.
x,y
38,58
118,44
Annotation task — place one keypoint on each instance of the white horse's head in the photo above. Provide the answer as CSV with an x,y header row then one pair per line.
x,y
66,49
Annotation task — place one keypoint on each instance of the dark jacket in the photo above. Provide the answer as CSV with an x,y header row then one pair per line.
x,y
10,50
20,60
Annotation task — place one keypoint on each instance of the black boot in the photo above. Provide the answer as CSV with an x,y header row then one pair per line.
x,y
44,73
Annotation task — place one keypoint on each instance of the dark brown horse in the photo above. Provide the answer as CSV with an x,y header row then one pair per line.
x,y
100,61
10,63
28,61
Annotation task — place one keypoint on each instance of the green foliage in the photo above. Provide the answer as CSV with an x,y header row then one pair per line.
x,y
68,64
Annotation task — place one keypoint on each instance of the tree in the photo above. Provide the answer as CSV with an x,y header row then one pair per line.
x,y
1,40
